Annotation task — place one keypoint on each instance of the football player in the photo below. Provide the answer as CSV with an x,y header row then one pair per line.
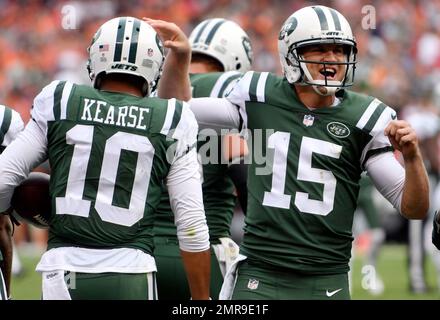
x,y
110,146
317,138
10,125
221,52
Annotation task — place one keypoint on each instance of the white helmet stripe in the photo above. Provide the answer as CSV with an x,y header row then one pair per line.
x,y
201,29
213,31
329,18
208,28
335,19
127,41
134,41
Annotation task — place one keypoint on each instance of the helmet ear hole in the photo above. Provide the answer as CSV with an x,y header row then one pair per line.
x,y
238,66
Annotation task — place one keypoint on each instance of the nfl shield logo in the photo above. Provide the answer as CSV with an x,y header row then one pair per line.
x,y
308,120
252,284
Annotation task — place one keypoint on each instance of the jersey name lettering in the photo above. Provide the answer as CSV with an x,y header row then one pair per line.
x,y
126,116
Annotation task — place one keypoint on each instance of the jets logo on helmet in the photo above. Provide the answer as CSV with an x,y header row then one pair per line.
x,y
316,25
248,48
132,47
288,27
225,41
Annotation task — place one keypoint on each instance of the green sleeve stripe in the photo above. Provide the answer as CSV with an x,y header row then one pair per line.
x,y
374,117
202,28
226,83
134,41
336,19
213,31
253,87
3,295
6,123
57,99
177,115
367,113
374,152
322,18
120,39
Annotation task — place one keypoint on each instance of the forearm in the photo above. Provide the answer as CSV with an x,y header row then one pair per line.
x,y
186,200
415,193
175,82
198,269
415,198
6,249
215,113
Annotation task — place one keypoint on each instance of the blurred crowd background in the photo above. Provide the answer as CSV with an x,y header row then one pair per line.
x,y
398,43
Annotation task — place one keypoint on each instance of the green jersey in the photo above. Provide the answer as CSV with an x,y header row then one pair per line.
x,y
218,189
109,154
302,196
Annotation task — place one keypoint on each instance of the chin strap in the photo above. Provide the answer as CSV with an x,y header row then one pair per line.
x,y
329,90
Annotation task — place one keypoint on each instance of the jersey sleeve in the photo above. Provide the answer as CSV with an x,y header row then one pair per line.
x,y
224,84
11,125
184,184
43,106
239,95
249,88
186,130
373,122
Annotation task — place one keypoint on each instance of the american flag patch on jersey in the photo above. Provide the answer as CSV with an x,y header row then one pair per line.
x,y
103,47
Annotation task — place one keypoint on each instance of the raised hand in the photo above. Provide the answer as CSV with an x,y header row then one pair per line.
x,y
403,138
172,36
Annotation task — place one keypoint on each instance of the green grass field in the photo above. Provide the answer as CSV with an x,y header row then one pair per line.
x,y
392,268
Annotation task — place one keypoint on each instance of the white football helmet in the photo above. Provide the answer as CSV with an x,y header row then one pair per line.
x,y
225,41
126,45
310,26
